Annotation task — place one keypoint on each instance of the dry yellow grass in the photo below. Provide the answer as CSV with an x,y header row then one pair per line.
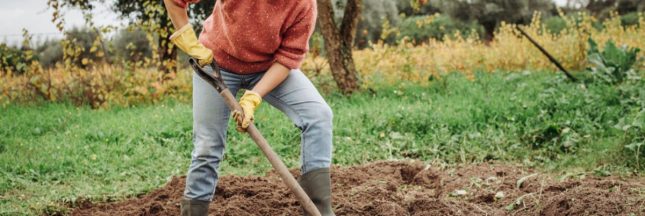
x,y
507,52
98,86
101,85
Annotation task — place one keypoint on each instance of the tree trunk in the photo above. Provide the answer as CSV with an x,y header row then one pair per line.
x,y
489,30
338,42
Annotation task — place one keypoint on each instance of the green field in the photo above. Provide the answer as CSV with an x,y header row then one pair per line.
x,y
54,154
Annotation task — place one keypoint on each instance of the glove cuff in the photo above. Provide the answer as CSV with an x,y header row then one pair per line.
x,y
186,40
187,27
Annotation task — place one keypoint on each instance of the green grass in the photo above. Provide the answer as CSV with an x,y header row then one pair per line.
x,y
54,154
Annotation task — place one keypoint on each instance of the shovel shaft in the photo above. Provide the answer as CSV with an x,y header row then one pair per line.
x,y
215,80
273,158
547,54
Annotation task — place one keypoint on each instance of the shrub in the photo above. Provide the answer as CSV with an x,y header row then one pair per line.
x,y
98,86
13,59
613,64
88,46
49,53
555,24
630,19
422,28
131,45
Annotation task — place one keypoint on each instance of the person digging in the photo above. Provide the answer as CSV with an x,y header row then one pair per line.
x,y
259,46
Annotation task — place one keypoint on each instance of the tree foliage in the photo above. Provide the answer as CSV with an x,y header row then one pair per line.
x,y
416,7
603,8
489,13
420,29
370,25
130,44
151,16
376,13
85,39
137,9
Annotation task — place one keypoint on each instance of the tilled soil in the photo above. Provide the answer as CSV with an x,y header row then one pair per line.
x,y
407,188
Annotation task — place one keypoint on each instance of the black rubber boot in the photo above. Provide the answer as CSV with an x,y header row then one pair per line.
x,y
194,207
317,185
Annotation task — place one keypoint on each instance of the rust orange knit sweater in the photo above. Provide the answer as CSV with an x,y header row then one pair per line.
x,y
248,36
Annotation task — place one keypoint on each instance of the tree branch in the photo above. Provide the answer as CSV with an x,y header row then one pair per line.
x,y
326,20
350,20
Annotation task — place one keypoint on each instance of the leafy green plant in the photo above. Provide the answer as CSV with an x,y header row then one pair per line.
x,y
630,19
613,64
555,24
634,140
12,59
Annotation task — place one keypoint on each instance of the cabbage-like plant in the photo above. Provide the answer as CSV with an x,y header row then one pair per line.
x,y
613,64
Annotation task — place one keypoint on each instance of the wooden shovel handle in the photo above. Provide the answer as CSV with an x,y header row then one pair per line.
x,y
274,159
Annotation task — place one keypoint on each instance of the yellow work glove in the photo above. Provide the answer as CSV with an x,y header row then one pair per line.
x,y
249,103
186,40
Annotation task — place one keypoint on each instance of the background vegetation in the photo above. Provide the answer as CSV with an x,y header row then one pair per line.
x,y
104,112
125,82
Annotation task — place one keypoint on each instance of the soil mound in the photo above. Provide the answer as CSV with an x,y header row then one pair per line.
x,y
406,188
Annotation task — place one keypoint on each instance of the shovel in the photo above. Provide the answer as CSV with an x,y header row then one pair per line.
x,y
215,79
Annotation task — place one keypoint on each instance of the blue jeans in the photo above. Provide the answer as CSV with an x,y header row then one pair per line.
x,y
296,97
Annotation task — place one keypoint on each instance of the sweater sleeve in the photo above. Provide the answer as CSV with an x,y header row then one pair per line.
x,y
184,3
295,40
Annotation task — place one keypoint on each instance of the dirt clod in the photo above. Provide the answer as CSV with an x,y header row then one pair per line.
x,y
405,188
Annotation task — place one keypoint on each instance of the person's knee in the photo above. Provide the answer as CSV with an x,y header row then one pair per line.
x,y
208,148
323,114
